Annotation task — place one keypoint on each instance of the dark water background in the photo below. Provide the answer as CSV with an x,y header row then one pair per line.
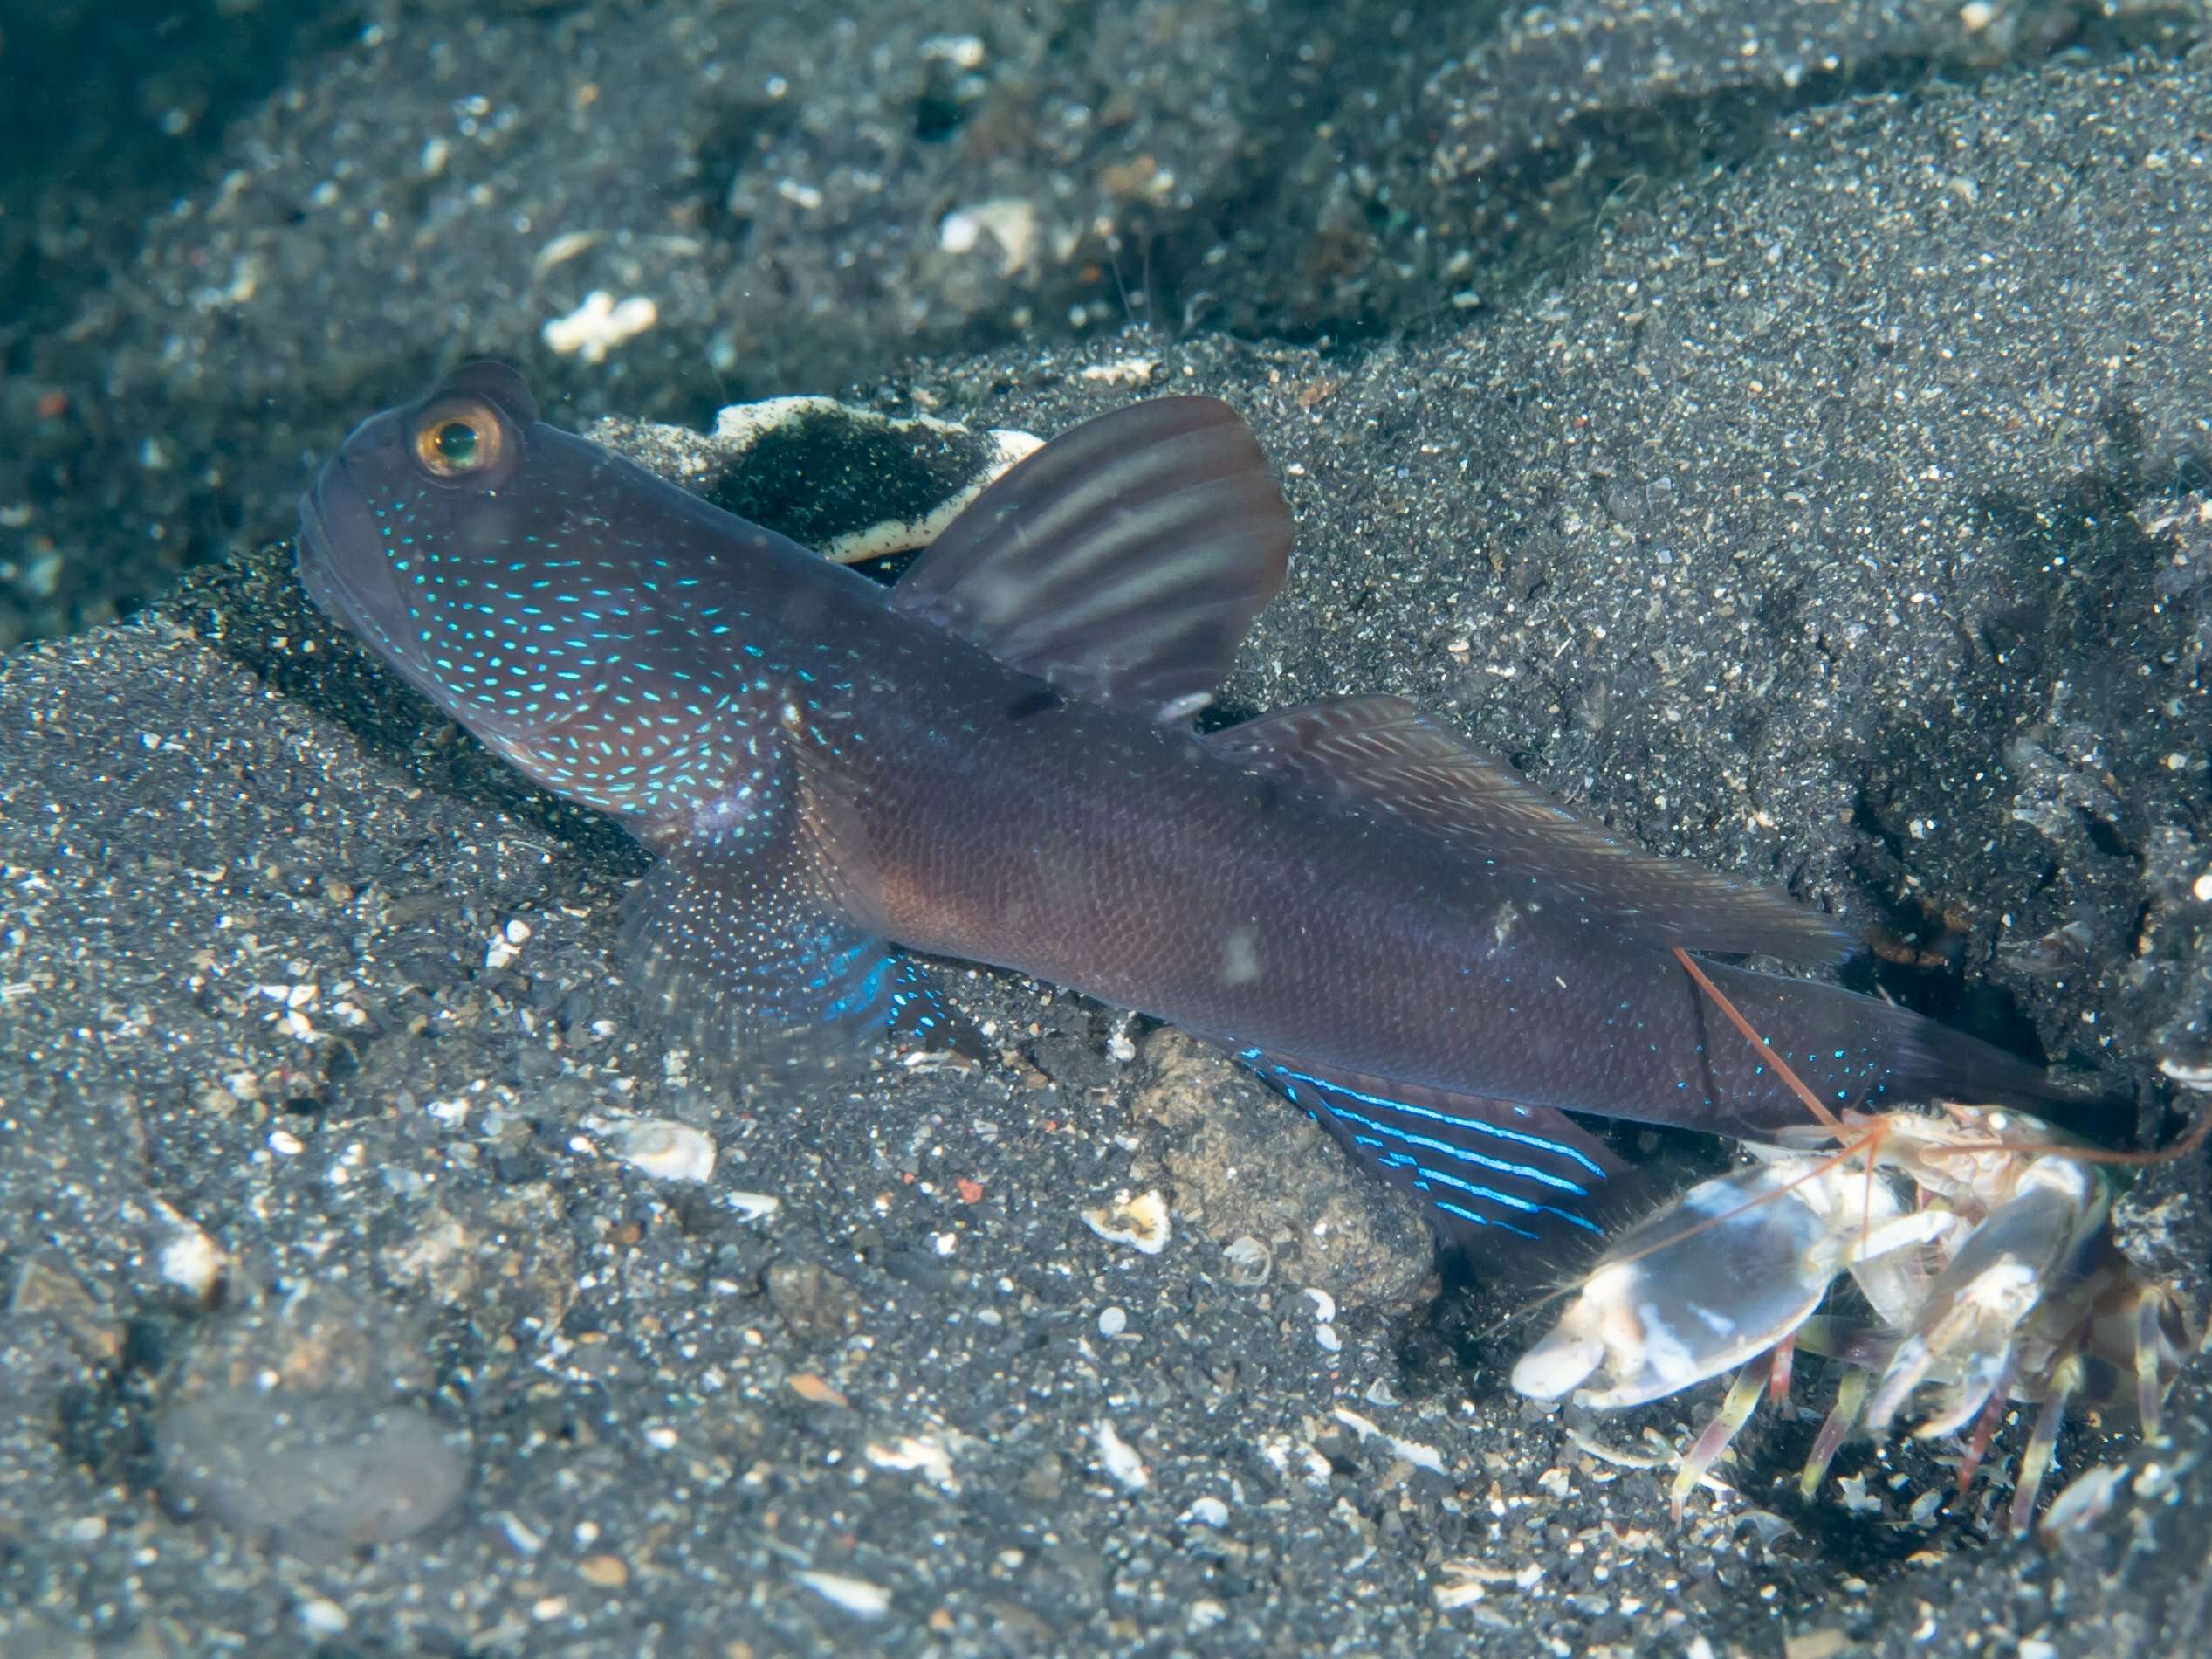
x,y
223,235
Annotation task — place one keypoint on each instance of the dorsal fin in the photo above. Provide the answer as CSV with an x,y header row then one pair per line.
x,y
1386,755
1123,561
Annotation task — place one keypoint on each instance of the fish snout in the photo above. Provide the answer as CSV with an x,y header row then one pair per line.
x,y
342,563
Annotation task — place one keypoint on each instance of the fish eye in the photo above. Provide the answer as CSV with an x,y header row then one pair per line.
x,y
460,440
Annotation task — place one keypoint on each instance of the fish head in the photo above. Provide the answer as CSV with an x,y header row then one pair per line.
x,y
456,536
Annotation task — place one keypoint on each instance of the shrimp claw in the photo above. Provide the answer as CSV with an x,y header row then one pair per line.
x,y
1984,1250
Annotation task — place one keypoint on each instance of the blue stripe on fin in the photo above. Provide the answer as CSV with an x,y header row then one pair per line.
x,y
1493,1193
1492,1175
1431,1143
739,955
1474,1125
1480,1220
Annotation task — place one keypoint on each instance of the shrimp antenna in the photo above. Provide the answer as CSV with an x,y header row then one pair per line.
x,y
1848,1146
1759,1044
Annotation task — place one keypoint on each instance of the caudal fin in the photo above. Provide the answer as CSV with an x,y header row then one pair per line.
x,y
1854,1051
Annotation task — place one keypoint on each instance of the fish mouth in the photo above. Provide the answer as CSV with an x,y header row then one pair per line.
x,y
340,557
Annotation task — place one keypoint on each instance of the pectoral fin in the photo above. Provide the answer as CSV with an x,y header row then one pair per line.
x,y
739,954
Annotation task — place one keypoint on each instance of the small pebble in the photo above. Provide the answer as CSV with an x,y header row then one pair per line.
x,y
606,1571
1112,1323
856,1596
323,1617
192,1262
1121,1462
660,1147
963,52
814,1391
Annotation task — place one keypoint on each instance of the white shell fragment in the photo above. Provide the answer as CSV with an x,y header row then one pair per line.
x,y
741,425
599,325
1411,1451
2189,1076
192,1262
909,1455
1324,1321
506,945
1464,1582
1123,371
1281,1452
1123,1464
1250,1261
752,1206
660,1148
1139,1221
857,1596
1007,224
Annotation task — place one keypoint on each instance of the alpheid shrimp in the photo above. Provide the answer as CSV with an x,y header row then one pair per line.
x,y
1983,1247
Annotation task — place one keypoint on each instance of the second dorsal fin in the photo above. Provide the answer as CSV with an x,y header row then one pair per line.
x,y
1385,755
1123,561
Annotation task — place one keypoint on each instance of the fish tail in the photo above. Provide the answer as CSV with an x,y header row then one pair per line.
x,y
1859,1051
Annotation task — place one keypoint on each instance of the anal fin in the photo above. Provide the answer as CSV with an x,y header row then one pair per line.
x,y
1493,1175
